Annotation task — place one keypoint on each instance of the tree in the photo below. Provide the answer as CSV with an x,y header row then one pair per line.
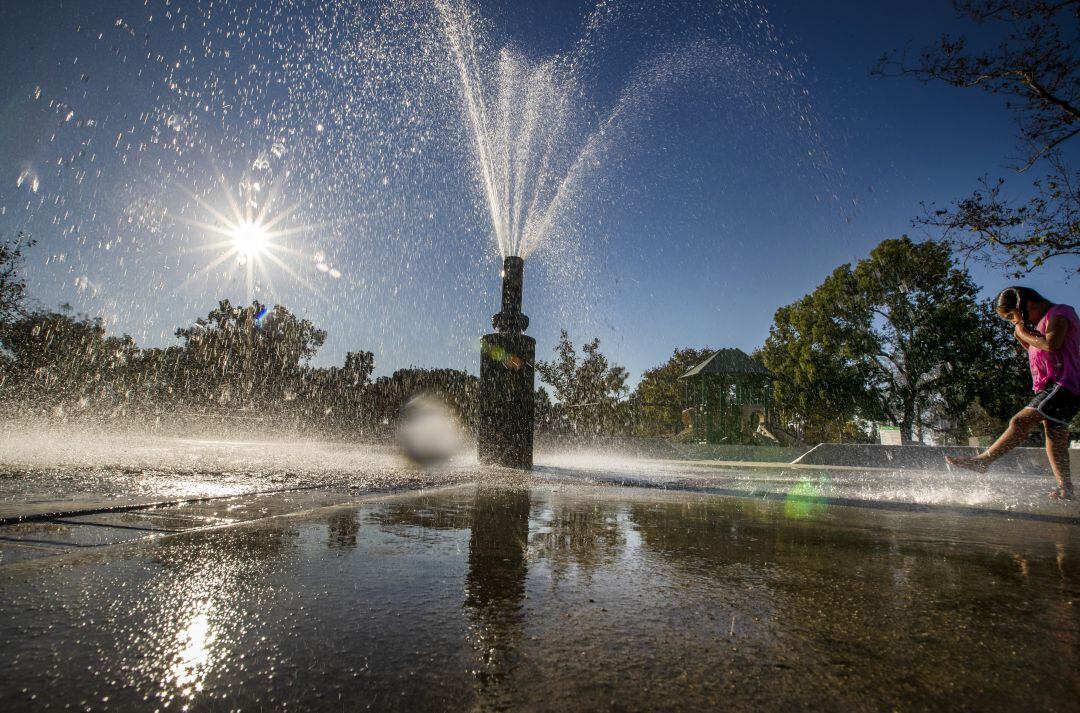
x,y
885,340
589,389
992,384
820,388
1037,68
458,390
62,361
543,411
358,368
659,395
12,283
239,356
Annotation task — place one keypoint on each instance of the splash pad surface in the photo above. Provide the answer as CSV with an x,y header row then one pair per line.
x,y
557,597
67,470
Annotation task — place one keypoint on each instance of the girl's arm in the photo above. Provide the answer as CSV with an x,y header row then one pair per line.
x,y
1056,329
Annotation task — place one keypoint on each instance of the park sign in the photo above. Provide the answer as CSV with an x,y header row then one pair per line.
x,y
890,435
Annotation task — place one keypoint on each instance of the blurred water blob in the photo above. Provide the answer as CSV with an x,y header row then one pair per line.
x,y
429,435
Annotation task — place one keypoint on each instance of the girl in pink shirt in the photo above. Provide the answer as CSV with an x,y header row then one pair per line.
x,y
1051,335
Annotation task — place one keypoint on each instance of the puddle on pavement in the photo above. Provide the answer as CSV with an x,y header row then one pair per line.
x,y
558,598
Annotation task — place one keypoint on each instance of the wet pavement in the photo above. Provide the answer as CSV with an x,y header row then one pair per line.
x,y
942,490
49,536
46,472
549,597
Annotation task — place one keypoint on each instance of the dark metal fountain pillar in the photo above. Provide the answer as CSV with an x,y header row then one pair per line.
x,y
505,434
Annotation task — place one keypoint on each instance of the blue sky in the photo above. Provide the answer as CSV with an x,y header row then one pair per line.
x,y
714,208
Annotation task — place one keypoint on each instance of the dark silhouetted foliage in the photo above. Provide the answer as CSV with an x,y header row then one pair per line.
x,y
12,283
1036,67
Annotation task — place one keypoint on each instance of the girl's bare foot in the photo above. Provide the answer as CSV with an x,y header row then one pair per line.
x,y
1062,493
976,463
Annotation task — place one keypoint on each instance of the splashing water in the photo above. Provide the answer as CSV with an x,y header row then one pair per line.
x,y
520,115
537,138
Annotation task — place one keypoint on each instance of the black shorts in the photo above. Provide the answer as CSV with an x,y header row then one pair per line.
x,y
1056,403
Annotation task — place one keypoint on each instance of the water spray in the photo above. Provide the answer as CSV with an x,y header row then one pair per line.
x,y
505,435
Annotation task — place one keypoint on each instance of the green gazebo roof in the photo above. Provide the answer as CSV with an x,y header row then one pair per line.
x,y
729,362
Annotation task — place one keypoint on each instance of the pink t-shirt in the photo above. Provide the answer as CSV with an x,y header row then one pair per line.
x,y
1061,366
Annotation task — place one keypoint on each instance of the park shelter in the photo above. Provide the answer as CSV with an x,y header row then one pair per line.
x,y
727,398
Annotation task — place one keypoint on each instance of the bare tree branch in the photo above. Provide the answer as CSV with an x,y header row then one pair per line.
x,y
1037,66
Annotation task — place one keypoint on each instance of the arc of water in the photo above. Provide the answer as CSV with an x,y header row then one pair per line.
x,y
605,132
458,33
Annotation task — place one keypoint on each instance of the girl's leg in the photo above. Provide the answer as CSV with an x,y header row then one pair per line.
x,y
1057,449
1020,426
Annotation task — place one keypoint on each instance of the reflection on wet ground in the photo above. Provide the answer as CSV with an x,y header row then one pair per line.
x,y
42,537
556,598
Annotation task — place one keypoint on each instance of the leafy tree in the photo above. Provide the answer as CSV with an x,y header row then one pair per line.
x,y
1036,67
237,356
62,361
590,389
153,380
457,389
335,398
248,358
887,339
820,388
358,368
12,283
659,395
992,384
544,411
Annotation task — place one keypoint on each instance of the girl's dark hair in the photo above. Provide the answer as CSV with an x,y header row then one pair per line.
x,y
1017,299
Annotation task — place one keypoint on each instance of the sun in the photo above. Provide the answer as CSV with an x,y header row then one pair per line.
x,y
251,233
250,239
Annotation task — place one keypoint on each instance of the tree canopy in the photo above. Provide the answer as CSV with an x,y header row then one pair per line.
x,y
659,394
236,355
12,283
898,338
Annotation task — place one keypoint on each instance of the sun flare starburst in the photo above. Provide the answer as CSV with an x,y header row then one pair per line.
x,y
251,233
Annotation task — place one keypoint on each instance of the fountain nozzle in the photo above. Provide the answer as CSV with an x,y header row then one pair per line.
x,y
510,320
504,434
